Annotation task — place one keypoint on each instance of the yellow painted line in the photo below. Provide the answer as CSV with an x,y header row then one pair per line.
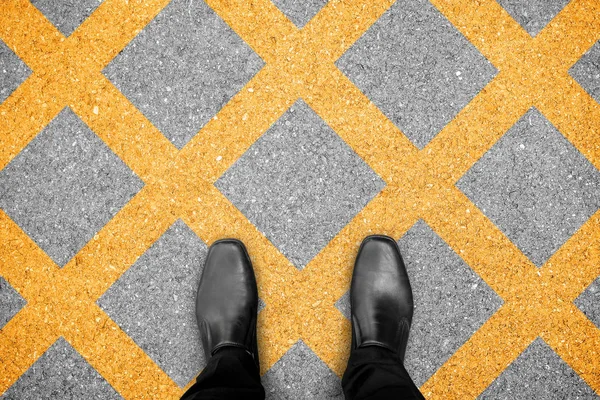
x,y
22,341
22,262
577,115
300,304
476,364
260,23
476,128
577,341
128,369
26,336
119,244
28,33
360,123
26,111
237,126
464,230
581,250
110,28
125,130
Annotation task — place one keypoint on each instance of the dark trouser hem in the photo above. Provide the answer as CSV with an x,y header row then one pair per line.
x,y
375,373
230,374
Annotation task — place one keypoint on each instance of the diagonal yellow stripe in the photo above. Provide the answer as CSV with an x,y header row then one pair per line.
x,y
67,71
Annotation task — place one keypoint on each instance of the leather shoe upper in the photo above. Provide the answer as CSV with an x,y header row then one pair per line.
x,y
227,299
381,296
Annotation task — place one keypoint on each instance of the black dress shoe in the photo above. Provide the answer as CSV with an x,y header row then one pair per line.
x,y
227,299
380,296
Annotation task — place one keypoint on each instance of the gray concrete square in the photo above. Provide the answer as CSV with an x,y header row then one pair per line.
x,y
300,12
67,15
182,68
154,302
538,373
301,374
586,71
533,15
11,302
13,71
61,373
450,301
65,186
589,302
535,186
416,68
344,306
300,183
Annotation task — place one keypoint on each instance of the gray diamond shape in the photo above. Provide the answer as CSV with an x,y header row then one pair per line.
x,y
11,302
61,373
586,71
535,186
451,301
13,71
589,302
154,302
261,305
300,184
538,373
300,12
183,68
533,15
66,15
417,68
64,186
300,374
344,306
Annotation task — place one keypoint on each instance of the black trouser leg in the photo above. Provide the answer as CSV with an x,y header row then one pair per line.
x,y
376,373
230,374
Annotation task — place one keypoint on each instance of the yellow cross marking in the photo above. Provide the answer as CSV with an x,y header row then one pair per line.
x,y
300,304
